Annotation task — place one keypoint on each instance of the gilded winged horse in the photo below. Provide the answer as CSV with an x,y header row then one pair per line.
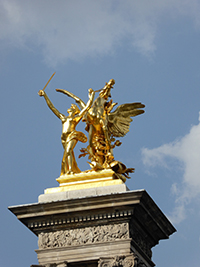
x,y
103,125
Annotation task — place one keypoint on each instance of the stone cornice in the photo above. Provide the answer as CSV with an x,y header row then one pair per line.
x,y
109,207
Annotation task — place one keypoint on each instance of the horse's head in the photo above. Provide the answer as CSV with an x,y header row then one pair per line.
x,y
105,91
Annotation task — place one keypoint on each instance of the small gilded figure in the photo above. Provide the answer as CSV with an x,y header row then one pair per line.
x,y
70,136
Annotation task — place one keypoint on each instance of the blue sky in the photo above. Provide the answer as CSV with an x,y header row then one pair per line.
x,y
152,50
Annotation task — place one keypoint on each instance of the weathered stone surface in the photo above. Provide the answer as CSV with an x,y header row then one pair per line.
x,y
117,229
87,252
129,260
84,235
96,191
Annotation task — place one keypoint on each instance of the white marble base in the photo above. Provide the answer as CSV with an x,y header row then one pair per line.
x,y
96,191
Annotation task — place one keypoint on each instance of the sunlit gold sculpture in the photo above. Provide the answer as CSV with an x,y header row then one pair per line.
x,y
103,126
70,136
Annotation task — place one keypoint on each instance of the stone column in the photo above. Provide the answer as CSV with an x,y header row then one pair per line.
x,y
98,230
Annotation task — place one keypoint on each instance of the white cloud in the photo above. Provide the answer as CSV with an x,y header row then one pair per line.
x,y
186,151
75,29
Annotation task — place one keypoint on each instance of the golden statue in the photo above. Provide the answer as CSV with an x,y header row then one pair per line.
x,y
103,126
70,136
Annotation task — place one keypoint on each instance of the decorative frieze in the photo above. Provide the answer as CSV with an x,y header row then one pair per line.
x,y
80,219
81,236
119,261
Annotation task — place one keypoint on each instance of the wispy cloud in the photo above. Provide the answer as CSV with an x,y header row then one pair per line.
x,y
65,30
186,151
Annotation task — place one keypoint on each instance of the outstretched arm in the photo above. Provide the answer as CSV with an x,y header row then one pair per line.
x,y
50,105
77,99
89,103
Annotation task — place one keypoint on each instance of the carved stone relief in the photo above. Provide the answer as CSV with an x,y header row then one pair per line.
x,y
81,236
119,261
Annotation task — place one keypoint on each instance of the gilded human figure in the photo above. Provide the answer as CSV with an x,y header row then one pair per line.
x,y
70,136
96,118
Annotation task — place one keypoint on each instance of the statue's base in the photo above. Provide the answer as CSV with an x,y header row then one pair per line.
x,y
87,192
85,180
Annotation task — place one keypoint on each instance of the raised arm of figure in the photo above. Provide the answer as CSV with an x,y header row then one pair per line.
x,y
89,103
50,105
87,106
76,98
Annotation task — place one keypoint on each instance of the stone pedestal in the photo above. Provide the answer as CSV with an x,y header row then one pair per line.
x,y
104,227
